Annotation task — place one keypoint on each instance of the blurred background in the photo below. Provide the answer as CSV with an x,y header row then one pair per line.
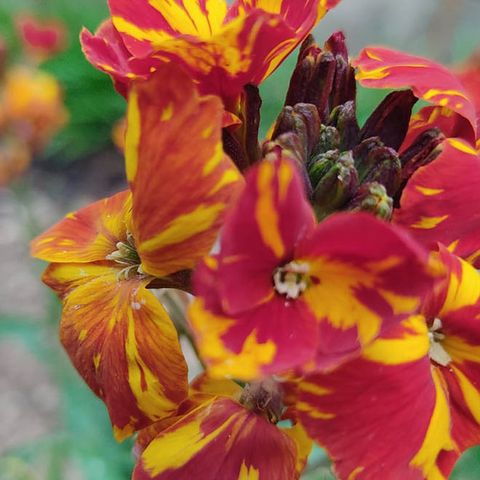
x,y
59,155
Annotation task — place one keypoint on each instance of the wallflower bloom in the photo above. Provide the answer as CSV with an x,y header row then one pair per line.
x,y
223,432
416,391
222,47
41,38
104,256
284,292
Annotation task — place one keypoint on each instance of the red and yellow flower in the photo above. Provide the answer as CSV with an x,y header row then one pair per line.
x,y
104,256
283,292
222,47
415,388
223,432
41,38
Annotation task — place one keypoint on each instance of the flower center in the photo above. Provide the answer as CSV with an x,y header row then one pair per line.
x,y
265,398
126,255
437,352
292,279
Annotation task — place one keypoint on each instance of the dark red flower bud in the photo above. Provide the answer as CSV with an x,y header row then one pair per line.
x,y
390,119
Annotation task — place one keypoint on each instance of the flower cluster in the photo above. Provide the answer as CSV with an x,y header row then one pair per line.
x,y
331,270
31,101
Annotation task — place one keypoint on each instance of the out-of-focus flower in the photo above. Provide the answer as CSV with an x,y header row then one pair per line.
x,y
41,39
104,256
223,47
15,157
224,432
410,402
283,292
32,105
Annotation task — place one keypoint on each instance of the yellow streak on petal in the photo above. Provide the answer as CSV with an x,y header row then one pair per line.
x,y
167,113
375,74
400,303
215,160
313,388
122,433
333,297
285,175
303,443
462,291
132,136
228,177
437,437
453,246
183,227
312,412
188,17
177,447
429,191
372,55
429,222
434,92
143,382
246,364
462,146
354,473
470,392
142,34
266,214
248,473
82,335
413,345
461,351
473,257
96,360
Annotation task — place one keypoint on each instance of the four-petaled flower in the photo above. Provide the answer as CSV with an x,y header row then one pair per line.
x,y
283,292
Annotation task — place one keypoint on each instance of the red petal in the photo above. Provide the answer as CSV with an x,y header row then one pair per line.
x,y
439,203
88,235
384,68
122,342
181,180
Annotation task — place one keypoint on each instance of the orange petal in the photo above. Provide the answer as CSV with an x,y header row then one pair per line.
x,y
88,235
123,344
181,180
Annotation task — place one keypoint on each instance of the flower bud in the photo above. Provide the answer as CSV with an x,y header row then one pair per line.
x,y
336,187
303,120
344,119
422,151
372,197
390,119
385,168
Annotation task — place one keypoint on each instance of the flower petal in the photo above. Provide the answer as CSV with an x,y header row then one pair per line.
x,y
384,68
219,440
458,309
88,235
260,233
106,51
145,25
222,51
450,123
383,413
181,180
439,203
122,342
367,277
